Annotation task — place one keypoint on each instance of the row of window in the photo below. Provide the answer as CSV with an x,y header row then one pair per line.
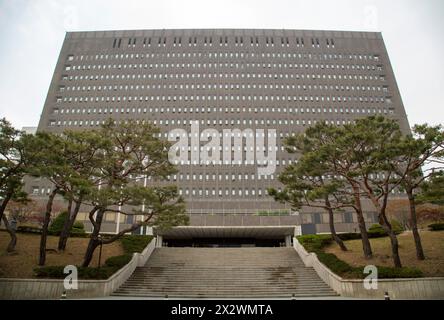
x,y
187,191
215,110
344,217
242,75
232,65
226,97
163,55
235,177
232,86
304,122
225,40
202,191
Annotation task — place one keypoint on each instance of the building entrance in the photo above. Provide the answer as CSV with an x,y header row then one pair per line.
x,y
225,236
224,242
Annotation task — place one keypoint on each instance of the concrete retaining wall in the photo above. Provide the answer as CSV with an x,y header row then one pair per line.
x,y
53,288
414,288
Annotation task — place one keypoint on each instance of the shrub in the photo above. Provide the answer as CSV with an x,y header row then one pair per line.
x,y
349,236
406,272
111,266
118,261
314,242
135,243
49,272
333,263
390,272
377,231
29,229
57,225
78,225
78,229
396,226
56,272
436,226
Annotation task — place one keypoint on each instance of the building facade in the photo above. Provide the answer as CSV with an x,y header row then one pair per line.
x,y
267,84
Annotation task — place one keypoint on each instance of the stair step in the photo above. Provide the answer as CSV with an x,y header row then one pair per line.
x,y
224,285
207,290
224,272
228,294
262,295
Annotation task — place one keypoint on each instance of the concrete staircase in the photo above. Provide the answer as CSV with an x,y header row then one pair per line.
x,y
224,273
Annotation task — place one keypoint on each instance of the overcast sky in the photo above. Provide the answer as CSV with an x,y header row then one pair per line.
x,y
32,32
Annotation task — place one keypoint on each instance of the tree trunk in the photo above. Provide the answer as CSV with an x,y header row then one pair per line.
x,y
13,241
69,222
92,245
393,239
414,225
366,247
94,240
385,224
5,203
331,221
42,257
395,249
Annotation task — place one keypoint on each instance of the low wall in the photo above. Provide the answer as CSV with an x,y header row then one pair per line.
x,y
412,288
53,288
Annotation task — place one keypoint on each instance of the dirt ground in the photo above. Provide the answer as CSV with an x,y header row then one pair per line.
x,y
24,260
432,242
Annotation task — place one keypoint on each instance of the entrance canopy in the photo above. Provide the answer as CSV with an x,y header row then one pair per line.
x,y
257,232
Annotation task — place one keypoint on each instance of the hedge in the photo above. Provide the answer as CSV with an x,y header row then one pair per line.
x,y
436,226
110,267
135,243
334,263
315,242
29,229
56,272
118,261
349,236
391,273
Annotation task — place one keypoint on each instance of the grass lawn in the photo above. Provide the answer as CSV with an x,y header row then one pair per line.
x,y
22,263
432,242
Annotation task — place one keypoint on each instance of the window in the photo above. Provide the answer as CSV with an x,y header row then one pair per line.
x,y
110,216
348,217
372,217
317,218
81,216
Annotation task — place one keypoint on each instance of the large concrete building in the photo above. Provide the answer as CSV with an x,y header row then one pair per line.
x,y
225,79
